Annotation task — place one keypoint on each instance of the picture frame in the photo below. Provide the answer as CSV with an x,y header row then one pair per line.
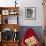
x,y
5,12
30,13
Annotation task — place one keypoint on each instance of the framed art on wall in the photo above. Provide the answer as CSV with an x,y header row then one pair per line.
x,y
30,13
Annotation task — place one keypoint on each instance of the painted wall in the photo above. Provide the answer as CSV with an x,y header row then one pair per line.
x,y
26,3
39,13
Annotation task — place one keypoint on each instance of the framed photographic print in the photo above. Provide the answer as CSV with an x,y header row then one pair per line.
x,y
5,12
30,13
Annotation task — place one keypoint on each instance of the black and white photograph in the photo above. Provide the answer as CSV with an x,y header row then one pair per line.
x,y
30,12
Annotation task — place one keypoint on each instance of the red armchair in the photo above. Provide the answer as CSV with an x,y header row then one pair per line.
x,y
29,36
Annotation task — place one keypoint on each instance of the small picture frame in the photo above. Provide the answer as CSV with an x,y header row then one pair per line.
x,y
5,12
30,13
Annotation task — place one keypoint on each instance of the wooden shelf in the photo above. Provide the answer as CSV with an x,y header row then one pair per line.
x,y
10,43
10,26
4,13
9,9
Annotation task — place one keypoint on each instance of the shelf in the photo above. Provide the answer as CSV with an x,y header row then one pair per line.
x,y
9,10
4,8
10,26
9,19
11,41
5,12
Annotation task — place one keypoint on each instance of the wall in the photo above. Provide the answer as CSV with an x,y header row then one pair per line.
x,y
27,3
39,13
